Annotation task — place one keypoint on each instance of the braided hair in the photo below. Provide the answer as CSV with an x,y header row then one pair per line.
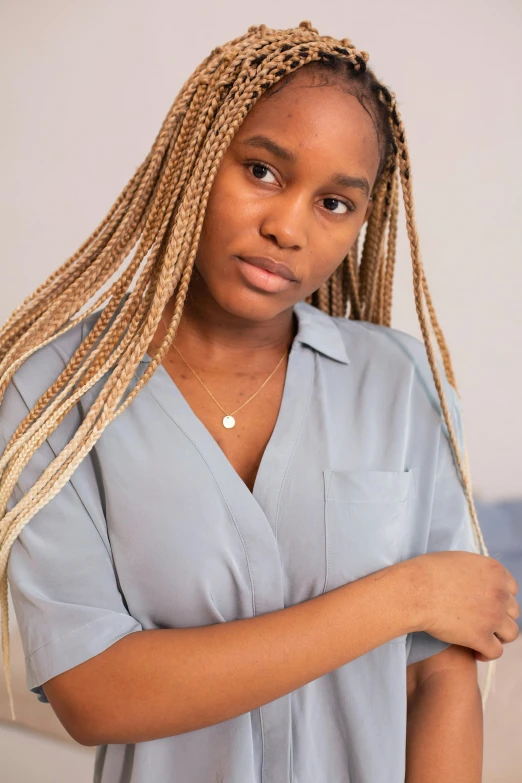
x,y
162,209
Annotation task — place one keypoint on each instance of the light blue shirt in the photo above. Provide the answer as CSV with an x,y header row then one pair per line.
x,y
155,529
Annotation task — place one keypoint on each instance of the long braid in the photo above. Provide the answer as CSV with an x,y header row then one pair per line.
x,y
351,279
160,213
338,300
376,282
387,285
371,246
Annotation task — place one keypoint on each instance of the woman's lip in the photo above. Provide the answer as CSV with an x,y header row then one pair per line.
x,y
261,279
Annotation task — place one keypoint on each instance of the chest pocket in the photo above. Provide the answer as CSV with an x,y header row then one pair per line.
x,y
366,521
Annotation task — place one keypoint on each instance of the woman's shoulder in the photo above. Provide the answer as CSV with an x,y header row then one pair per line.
x,y
396,353
39,371
380,339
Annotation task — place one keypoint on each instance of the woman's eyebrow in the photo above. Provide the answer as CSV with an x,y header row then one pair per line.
x,y
343,180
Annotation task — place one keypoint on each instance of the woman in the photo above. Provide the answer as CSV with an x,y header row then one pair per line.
x,y
275,512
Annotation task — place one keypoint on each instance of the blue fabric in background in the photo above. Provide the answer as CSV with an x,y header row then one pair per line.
x,y
501,525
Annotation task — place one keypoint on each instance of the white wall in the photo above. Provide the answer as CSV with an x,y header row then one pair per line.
x,y
85,86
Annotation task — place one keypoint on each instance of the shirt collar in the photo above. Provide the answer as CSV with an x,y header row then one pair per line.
x,y
319,331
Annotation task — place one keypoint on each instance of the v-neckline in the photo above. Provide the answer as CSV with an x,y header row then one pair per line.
x,y
189,414
278,451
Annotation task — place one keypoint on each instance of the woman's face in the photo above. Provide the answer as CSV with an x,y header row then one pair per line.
x,y
278,194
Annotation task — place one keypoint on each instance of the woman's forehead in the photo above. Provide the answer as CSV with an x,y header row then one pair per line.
x,y
309,96
323,120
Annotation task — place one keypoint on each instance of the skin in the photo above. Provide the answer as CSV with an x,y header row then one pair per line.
x,y
290,212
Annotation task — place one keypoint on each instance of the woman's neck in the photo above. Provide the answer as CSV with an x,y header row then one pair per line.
x,y
214,338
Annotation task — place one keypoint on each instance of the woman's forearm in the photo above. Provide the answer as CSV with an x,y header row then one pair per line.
x,y
445,730
158,683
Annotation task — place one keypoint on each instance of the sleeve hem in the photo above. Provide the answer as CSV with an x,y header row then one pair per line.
x,y
423,645
77,646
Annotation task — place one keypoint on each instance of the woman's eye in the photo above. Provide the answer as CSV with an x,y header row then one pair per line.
x,y
258,166
346,204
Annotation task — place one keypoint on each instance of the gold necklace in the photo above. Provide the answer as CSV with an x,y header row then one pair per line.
x,y
228,419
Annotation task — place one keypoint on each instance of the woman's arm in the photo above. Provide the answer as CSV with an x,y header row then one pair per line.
x,y
445,727
158,683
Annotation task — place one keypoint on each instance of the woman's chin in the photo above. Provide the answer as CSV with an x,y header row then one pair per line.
x,y
252,306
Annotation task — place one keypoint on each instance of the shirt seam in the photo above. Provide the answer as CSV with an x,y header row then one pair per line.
x,y
278,506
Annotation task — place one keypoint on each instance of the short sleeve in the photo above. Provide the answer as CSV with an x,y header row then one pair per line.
x,y
63,583
450,523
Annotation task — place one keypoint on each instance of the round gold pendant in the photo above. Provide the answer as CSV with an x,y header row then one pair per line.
x,y
229,422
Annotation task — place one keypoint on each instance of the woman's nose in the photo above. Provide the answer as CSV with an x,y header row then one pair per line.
x,y
286,222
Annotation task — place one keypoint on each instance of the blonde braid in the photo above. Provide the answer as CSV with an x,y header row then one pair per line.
x,y
351,281
338,300
161,210
387,285
375,277
371,245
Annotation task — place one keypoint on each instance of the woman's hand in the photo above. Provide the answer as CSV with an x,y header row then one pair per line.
x,y
467,599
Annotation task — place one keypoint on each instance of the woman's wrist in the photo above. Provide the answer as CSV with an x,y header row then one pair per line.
x,y
406,593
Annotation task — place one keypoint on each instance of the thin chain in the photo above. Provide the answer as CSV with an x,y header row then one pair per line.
x,y
208,390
